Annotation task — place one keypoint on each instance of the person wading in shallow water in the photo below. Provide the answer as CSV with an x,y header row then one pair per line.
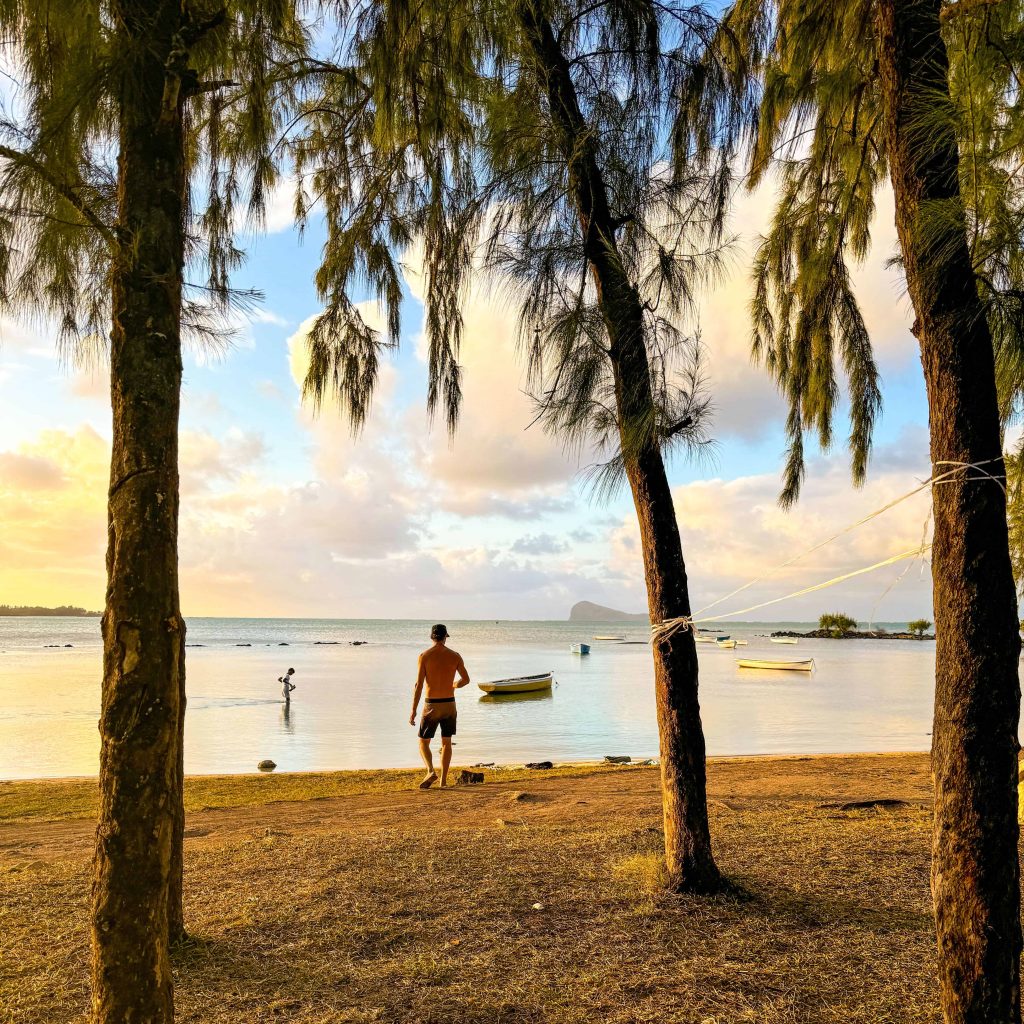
x,y
287,685
437,669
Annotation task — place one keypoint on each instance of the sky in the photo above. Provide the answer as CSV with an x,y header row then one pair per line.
x,y
284,513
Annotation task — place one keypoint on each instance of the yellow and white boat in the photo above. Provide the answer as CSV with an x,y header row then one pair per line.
x,y
802,665
520,684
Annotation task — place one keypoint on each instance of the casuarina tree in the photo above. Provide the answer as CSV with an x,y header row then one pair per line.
x,y
847,96
527,144
114,105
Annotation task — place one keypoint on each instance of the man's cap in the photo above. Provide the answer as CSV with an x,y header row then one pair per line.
x,y
439,632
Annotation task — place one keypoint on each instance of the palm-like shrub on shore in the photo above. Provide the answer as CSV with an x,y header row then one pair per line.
x,y
118,105
836,99
527,143
836,623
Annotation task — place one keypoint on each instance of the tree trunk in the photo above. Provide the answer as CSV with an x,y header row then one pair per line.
x,y
975,870
691,866
143,632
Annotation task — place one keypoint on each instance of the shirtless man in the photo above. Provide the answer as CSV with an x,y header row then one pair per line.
x,y
438,668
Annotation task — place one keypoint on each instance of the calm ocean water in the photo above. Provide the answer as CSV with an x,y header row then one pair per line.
x,y
352,704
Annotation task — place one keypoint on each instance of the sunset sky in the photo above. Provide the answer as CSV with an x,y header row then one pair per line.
x,y
284,514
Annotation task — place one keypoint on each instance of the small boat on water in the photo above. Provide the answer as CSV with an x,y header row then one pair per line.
x,y
801,665
580,648
742,643
715,638
726,644
519,684
783,639
609,638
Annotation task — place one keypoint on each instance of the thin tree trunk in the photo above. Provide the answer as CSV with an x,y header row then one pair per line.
x,y
688,855
975,870
143,632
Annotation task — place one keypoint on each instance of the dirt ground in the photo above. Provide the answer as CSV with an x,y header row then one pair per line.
x,y
524,899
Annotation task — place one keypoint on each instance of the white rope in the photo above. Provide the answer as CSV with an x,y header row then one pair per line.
x,y
945,477
669,627
663,630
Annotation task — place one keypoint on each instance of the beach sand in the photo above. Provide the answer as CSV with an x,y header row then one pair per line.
x,y
353,897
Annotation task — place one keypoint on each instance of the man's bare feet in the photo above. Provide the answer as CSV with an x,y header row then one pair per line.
x,y
430,779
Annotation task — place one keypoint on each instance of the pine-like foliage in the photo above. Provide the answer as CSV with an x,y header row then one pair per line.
x,y
791,88
58,138
427,139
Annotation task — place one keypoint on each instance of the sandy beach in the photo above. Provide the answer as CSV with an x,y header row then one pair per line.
x,y
352,896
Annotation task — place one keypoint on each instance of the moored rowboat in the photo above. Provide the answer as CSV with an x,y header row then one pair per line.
x,y
609,638
801,665
783,639
727,644
580,648
520,684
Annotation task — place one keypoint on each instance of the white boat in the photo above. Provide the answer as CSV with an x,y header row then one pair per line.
x,y
580,648
742,643
783,639
727,644
609,638
715,638
520,684
802,665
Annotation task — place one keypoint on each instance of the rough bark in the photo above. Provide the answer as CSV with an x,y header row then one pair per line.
x,y
143,632
688,853
975,870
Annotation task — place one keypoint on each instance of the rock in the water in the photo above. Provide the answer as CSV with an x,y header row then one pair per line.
x,y
266,766
617,759
539,765
283,643
467,778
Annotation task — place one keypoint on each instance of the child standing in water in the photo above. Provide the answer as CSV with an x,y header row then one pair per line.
x,y
286,682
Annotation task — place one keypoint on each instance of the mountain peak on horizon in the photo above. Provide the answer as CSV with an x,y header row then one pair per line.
x,y
587,611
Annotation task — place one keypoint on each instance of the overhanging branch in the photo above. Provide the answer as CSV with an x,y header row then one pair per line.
x,y
62,188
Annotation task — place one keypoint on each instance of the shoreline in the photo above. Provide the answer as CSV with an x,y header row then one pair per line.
x,y
639,761
25,803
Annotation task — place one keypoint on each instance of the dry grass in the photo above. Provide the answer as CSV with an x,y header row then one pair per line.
x,y
429,922
78,799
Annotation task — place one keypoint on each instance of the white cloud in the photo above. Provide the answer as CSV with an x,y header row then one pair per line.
x,y
745,399
735,532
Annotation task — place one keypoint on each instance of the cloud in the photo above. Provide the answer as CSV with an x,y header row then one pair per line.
x,y
539,544
30,472
53,496
744,396
735,532
26,336
500,461
206,460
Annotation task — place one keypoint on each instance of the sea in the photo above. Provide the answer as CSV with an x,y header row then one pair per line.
x,y
352,701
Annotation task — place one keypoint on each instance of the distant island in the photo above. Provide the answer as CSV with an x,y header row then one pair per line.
x,y
587,611
65,611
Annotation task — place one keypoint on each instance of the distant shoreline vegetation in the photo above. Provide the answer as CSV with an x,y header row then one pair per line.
x,y
66,611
